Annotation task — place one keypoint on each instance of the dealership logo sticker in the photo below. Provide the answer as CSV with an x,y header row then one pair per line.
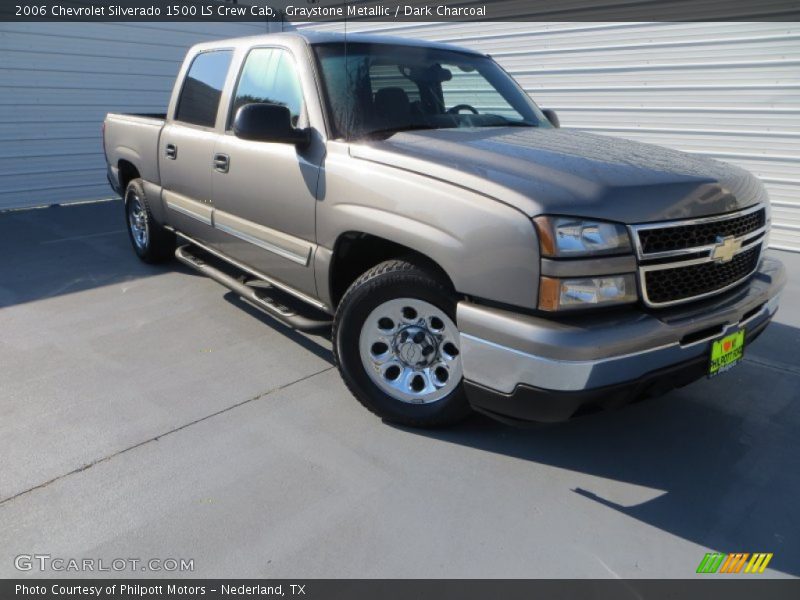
x,y
716,562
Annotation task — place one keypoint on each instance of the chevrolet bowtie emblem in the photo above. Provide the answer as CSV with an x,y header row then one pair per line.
x,y
725,249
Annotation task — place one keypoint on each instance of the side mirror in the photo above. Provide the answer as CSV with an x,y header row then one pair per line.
x,y
552,117
263,122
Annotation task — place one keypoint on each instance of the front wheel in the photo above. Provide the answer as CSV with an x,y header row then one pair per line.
x,y
397,346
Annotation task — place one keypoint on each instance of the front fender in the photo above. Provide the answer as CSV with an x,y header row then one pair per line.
x,y
488,249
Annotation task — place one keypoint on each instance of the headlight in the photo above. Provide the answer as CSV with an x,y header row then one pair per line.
x,y
584,292
565,237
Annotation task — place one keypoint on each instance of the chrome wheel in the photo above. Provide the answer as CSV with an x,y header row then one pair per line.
x,y
410,350
137,220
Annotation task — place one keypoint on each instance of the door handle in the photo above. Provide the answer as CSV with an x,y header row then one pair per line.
x,y
222,163
172,151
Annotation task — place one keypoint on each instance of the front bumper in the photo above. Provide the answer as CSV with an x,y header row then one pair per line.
x,y
530,368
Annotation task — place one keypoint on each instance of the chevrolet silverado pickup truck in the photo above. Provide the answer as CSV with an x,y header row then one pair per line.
x,y
464,251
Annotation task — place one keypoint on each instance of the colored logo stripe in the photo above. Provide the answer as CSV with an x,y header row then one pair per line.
x,y
734,563
714,562
758,563
710,563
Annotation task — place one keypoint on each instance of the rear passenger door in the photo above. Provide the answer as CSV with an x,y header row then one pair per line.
x,y
265,194
186,146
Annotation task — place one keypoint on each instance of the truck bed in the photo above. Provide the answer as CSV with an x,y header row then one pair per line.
x,y
159,116
133,138
145,118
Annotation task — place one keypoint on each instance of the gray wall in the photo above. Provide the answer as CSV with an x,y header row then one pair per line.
x,y
58,80
728,90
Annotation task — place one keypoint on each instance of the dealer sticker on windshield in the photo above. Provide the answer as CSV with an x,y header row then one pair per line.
x,y
726,353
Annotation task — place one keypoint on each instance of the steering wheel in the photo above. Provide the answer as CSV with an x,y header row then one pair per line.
x,y
459,107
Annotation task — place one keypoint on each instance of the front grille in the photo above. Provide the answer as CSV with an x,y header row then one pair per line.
x,y
681,283
681,261
681,237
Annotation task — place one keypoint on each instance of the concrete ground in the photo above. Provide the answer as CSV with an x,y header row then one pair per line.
x,y
145,413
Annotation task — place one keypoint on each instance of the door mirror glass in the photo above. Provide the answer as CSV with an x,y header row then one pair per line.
x,y
265,122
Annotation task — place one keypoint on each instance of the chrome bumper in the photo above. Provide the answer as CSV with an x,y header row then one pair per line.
x,y
502,350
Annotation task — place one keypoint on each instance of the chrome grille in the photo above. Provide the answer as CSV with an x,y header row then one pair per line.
x,y
681,261
666,285
681,237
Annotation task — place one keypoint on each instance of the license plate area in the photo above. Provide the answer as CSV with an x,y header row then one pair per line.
x,y
726,353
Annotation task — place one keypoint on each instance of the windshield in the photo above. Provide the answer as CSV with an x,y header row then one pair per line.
x,y
374,90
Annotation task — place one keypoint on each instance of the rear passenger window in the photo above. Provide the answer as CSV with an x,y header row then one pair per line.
x,y
269,76
202,88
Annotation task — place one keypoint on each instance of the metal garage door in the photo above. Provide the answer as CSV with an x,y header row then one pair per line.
x,y
729,90
58,80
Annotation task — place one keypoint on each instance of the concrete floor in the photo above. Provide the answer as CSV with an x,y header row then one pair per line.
x,y
145,413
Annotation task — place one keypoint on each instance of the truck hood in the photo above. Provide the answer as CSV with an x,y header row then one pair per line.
x,y
563,171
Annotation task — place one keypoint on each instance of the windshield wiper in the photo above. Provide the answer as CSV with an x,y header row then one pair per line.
x,y
506,122
518,124
392,130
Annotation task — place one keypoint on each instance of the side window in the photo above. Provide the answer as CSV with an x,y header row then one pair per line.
x,y
202,88
269,76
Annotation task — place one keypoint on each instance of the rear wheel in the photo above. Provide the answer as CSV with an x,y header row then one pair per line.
x,y
397,346
151,242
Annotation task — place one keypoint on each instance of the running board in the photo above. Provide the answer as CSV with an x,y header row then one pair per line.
x,y
256,292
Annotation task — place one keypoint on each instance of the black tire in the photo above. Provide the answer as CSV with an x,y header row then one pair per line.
x,y
388,281
158,244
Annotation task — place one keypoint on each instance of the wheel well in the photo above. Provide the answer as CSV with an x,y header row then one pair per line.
x,y
356,252
127,172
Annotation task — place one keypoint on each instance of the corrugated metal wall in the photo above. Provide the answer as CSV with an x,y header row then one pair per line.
x,y
58,80
729,90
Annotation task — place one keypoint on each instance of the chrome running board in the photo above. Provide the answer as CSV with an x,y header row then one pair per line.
x,y
257,294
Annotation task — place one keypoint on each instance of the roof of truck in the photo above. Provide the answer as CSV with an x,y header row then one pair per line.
x,y
321,37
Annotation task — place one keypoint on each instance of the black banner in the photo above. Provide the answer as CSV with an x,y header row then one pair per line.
x,y
388,11
409,589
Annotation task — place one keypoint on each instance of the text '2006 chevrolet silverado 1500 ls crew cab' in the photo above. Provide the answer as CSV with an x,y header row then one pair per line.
x,y
468,253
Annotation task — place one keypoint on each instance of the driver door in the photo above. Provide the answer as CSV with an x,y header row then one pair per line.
x,y
265,193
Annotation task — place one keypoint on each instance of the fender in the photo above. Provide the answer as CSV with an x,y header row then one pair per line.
x,y
149,181
487,248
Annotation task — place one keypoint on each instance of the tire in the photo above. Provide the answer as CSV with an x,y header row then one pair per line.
x,y
151,242
396,346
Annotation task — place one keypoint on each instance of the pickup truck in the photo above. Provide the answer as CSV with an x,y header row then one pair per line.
x,y
464,251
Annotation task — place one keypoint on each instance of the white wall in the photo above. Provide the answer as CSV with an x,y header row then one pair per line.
x,y
58,80
728,90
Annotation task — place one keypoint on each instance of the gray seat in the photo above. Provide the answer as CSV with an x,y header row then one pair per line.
x,y
392,107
